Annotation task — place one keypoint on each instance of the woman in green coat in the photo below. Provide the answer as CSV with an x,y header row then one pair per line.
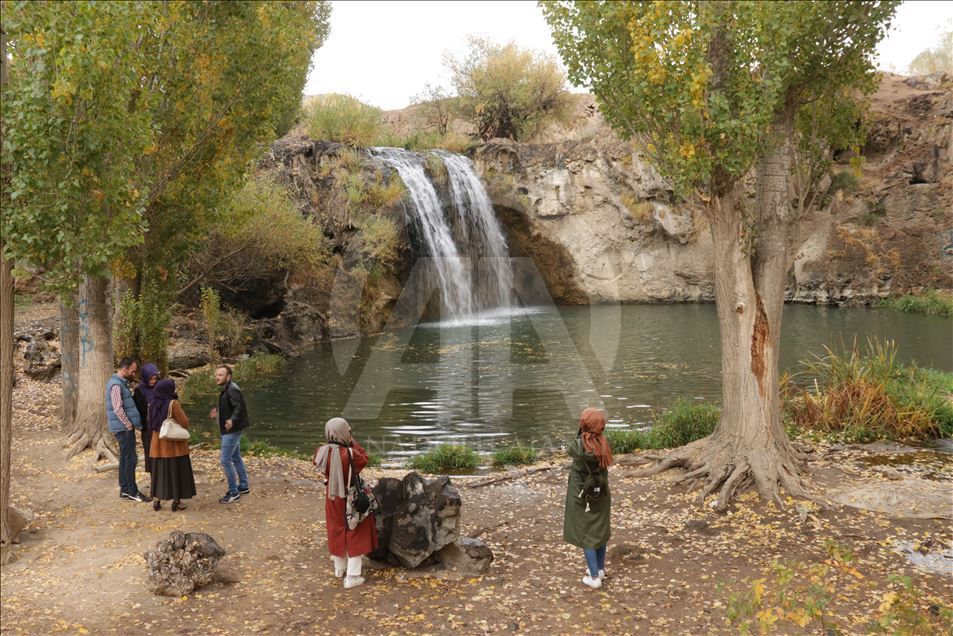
x,y
586,522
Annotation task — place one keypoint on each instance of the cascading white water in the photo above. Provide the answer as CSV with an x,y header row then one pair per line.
x,y
487,245
473,273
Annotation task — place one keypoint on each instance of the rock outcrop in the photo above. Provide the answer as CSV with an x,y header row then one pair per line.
x,y
417,518
183,563
606,227
598,223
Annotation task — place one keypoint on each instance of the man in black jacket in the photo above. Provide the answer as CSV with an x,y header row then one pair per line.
x,y
232,420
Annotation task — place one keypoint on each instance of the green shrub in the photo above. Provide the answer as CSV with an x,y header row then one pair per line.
x,y
445,457
382,193
437,169
202,384
211,305
684,422
508,91
232,333
142,327
930,302
875,211
514,456
379,240
258,365
225,329
344,119
625,441
866,395
844,181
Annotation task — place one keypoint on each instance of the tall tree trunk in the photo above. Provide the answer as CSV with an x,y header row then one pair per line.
x,y
749,445
6,400
6,364
89,428
69,352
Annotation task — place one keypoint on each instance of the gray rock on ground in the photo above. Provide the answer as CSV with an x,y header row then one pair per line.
x,y
466,555
18,520
182,563
417,518
42,361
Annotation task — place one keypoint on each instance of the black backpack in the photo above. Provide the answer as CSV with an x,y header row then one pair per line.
x,y
595,486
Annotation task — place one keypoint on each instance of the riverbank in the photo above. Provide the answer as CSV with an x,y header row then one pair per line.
x,y
674,566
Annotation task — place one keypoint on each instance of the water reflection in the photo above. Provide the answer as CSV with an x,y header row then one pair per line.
x,y
524,377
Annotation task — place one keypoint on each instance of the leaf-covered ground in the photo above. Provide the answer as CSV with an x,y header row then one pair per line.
x,y
673,565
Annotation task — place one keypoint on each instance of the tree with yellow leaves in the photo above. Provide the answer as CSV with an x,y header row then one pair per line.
x,y
718,91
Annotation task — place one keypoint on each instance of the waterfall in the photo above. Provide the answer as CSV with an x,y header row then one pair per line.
x,y
487,244
473,272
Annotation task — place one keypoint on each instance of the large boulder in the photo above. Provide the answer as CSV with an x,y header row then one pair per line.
x,y
418,518
188,354
42,360
183,563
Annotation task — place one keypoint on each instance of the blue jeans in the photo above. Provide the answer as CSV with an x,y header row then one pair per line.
x,y
232,463
127,462
595,559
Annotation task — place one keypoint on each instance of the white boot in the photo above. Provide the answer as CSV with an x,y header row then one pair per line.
x,y
594,583
353,578
353,581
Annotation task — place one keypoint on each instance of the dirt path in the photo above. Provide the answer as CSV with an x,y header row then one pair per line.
x,y
80,565
672,564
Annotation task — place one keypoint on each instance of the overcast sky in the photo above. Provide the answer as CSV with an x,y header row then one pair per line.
x,y
384,52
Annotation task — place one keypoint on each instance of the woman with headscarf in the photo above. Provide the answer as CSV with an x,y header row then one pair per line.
x,y
143,394
334,459
172,476
586,521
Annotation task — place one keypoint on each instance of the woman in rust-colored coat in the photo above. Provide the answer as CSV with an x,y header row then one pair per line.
x,y
172,476
334,459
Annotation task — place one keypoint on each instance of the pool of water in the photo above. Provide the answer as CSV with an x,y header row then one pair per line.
x,y
524,376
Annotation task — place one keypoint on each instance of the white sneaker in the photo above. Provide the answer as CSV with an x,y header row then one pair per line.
x,y
353,581
594,583
602,575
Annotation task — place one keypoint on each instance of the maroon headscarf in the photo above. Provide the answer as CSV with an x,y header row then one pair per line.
x,y
592,423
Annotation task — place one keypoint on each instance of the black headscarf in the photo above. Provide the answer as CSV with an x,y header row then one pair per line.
x,y
159,406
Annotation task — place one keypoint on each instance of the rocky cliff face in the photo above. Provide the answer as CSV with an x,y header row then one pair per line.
x,y
601,225
340,189
604,226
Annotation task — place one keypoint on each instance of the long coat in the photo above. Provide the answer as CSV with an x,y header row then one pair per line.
x,y
341,541
585,528
164,448
143,407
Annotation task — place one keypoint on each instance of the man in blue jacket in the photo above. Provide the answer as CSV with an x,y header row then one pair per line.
x,y
122,416
232,420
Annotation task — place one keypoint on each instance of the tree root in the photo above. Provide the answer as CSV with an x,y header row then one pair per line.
x,y
81,439
723,467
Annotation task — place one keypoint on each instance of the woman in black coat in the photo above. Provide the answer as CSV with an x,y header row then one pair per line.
x,y
142,396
